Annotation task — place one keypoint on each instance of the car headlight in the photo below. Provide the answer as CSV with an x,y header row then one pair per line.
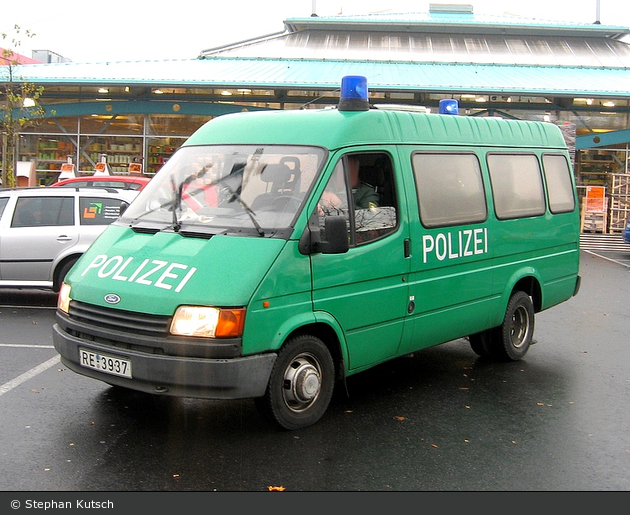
x,y
208,322
63,298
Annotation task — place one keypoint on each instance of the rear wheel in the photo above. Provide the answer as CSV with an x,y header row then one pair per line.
x,y
301,384
512,339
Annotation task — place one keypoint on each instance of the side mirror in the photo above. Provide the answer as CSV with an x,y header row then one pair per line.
x,y
335,232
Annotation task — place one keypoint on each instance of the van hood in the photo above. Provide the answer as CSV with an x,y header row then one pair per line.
x,y
156,273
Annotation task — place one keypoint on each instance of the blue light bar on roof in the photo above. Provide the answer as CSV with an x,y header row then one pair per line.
x,y
449,106
354,94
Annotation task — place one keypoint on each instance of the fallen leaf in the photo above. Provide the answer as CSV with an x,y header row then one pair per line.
x,y
467,441
276,488
399,418
514,441
464,388
175,475
34,323
92,423
348,411
540,403
467,407
46,469
434,446
71,445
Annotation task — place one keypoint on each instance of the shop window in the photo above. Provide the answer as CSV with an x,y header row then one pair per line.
x,y
113,124
118,151
175,125
159,152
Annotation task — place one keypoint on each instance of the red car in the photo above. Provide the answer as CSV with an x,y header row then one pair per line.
x,y
124,182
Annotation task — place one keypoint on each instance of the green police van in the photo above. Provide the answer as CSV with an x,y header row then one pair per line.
x,y
278,253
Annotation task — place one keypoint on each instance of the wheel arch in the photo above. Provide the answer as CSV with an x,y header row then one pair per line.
x,y
59,267
527,280
326,328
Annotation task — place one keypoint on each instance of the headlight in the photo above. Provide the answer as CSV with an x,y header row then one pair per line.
x,y
207,322
63,298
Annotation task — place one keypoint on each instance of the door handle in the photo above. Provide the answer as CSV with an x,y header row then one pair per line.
x,y
407,247
63,238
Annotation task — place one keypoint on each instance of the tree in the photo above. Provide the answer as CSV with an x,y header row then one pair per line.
x,y
19,106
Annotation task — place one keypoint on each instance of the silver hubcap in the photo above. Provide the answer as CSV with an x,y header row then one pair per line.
x,y
302,382
519,327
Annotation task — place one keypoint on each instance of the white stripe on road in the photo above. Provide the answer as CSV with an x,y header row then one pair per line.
x,y
26,346
607,258
6,387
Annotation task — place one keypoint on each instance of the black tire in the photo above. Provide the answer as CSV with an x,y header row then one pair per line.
x,y
62,272
515,334
301,384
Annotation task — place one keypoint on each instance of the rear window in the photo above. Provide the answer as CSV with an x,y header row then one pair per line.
x,y
450,189
99,211
516,185
559,183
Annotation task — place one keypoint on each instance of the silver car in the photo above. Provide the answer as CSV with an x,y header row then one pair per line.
x,y
43,231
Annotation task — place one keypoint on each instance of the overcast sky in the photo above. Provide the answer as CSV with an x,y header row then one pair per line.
x,y
131,30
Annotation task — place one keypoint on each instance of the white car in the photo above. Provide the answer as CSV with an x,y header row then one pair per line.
x,y
43,231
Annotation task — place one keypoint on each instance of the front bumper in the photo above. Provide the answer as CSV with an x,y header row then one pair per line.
x,y
233,378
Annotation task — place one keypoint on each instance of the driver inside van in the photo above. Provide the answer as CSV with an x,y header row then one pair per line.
x,y
334,197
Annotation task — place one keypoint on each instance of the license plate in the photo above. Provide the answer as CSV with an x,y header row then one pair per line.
x,y
105,363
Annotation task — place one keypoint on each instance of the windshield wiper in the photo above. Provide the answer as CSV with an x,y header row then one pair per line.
x,y
247,209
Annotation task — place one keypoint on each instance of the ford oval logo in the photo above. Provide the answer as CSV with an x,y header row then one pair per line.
x,y
112,298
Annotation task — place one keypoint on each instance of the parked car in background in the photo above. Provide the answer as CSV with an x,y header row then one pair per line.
x,y
126,182
43,231
625,234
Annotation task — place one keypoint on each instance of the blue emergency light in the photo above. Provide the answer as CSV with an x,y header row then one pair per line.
x,y
354,94
449,106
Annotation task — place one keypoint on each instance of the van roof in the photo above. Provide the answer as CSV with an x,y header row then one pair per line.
x,y
333,129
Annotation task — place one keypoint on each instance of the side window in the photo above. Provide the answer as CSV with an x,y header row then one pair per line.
x,y
559,183
516,185
3,204
450,189
43,212
99,211
362,189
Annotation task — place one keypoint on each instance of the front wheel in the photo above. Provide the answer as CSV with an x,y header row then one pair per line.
x,y
301,384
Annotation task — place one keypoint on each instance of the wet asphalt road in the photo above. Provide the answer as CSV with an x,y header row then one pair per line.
x,y
440,420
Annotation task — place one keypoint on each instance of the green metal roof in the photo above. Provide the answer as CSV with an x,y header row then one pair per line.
x,y
327,74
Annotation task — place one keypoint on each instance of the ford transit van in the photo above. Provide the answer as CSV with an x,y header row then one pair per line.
x,y
278,253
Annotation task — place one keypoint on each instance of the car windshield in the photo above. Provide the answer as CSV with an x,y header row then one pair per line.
x,y
228,189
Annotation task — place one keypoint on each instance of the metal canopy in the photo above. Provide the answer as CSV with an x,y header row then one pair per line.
x,y
326,75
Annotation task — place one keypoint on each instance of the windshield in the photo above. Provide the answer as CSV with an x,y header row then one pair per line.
x,y
228,189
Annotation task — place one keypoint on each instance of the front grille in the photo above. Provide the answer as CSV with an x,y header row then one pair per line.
x,y
119,320
149,334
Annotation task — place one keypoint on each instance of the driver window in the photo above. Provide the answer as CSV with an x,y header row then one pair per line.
x,y
372,207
